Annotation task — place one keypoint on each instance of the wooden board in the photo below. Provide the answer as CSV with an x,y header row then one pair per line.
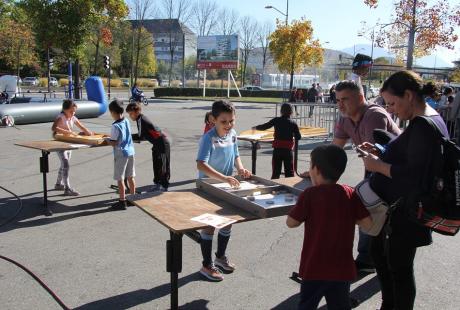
x,y
296,182
175,209
51,145
95,139
268,135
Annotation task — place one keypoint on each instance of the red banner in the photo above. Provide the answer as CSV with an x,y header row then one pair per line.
x,y
230,65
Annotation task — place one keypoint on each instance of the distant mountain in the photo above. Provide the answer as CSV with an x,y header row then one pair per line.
x,y
427,61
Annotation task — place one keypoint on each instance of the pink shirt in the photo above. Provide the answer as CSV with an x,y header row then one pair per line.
x,y
374,117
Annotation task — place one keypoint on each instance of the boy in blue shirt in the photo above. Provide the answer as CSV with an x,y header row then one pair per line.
x,y
123,153
217,155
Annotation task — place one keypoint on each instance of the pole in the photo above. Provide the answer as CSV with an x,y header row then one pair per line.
x,y
49,69
372,56
228,83
70,96
183,61
108,84
204,84
287,12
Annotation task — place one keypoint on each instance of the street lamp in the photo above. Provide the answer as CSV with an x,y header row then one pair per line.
x,y
284,14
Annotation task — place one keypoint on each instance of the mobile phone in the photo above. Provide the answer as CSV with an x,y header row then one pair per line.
x,y
361,152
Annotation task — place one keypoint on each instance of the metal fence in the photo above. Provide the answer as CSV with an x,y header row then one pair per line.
x,y
322,115
452,122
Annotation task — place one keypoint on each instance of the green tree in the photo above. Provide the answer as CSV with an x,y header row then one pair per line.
x,y
292,47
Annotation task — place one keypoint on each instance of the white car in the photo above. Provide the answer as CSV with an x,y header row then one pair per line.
x,y
30,81
53,82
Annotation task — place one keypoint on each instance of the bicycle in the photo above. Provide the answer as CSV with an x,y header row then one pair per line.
x,y
143,100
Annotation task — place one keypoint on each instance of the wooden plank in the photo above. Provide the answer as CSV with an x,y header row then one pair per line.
x,y
51,145
95,139
296,182
268,135
175,209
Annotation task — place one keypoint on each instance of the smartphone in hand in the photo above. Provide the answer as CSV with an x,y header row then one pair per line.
x,y
361,152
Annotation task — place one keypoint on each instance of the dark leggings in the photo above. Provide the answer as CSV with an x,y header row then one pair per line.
x,y
280,157
337,294
395,271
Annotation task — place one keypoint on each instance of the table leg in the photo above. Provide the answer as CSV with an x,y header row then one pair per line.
x,y
174,265
44,169
254,144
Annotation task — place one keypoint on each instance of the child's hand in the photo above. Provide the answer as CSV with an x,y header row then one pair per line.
x,y
244,173
305,174
232,181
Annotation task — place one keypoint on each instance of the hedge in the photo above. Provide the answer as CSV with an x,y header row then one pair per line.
x,y
214,92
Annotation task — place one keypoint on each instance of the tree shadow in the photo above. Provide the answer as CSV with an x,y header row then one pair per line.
x,y
141,296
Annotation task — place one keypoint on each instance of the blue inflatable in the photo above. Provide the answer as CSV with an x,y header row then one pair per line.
x,y
46,111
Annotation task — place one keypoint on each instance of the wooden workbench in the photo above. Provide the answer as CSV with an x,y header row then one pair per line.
x,y
46,147
175,209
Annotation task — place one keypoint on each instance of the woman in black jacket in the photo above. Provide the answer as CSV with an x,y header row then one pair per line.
x,y
401,170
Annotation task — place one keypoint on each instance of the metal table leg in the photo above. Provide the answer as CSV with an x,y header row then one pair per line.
x,y
44,169
174,265
254,144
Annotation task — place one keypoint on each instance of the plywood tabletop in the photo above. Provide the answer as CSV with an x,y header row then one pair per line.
x,y
297,182
268,135
175,209
53,145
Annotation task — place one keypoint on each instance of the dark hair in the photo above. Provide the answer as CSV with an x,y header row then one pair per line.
x,y
206,116
430,89
401,81
222,106
330,160
134,107
448,90
67,104
349,85
450,99
286,109
116,106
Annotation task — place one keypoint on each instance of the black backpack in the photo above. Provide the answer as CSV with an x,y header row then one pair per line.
x,y
437,203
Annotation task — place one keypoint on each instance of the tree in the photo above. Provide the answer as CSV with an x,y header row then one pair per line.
x,y
292,47
263,35
227,21
180,10
204,17
248,40
425,27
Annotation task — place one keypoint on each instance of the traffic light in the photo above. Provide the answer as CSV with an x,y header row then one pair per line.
x,y
106,62
50,63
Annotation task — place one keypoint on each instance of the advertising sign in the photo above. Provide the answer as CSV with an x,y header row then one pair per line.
x,y
217,52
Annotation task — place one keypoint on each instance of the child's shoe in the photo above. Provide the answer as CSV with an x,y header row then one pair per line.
x,y
224,264
156,187
70,192
59,187
119,205
211,273
163,189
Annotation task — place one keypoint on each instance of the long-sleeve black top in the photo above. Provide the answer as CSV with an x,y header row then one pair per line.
x,y
148,131
410,156
285,130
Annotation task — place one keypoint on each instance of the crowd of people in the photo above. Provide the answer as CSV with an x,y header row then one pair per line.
x,y
395,162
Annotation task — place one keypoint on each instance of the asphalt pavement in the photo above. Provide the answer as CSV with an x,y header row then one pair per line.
x,y
95,259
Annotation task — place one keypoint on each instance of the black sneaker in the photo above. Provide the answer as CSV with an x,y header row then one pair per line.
x,y
119,205
363,267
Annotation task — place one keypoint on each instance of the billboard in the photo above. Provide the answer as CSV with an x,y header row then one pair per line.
x,y
217,52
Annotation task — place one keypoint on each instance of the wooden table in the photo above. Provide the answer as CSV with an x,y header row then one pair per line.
x,y
46,147
267,136
175,209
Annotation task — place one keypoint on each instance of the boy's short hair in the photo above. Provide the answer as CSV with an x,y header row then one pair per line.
x,y
134,107
222,106
67,104
286,109
330,160
116,106
349,85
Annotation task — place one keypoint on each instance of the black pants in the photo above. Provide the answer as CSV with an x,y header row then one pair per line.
x,y
337,294
281,156
395,271
161,166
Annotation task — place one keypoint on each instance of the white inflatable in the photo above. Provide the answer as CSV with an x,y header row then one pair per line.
x,y
8,84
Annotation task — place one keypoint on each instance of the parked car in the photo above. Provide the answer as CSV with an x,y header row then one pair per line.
x,y
125,82
253,88
30,81
53,81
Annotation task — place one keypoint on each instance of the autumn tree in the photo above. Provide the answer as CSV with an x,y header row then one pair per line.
x,y
293,47
424,27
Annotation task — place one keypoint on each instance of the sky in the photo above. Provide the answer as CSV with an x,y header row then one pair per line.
x,y
333,21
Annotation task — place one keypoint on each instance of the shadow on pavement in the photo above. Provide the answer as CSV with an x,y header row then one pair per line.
x,y
137,297
238,107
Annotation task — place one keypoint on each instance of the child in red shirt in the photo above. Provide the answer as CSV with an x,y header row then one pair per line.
x,y
330,212
208,122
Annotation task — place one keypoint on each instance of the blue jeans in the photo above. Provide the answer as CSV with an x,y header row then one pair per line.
x,y
337,294
364,249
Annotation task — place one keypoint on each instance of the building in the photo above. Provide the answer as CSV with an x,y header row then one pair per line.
x,y
165,31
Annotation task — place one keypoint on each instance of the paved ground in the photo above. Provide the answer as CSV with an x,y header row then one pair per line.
x,y
94,259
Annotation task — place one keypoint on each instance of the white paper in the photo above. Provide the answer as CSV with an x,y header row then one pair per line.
x,y
79,146
213,220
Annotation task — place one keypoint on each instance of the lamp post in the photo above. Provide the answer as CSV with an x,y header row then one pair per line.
x,y
287,22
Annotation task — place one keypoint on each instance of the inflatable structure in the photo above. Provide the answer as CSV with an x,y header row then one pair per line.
x,y
46,111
